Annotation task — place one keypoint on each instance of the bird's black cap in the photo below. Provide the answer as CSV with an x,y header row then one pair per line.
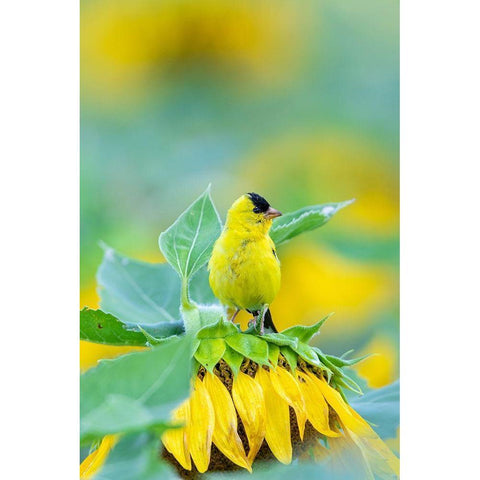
x,y
260,204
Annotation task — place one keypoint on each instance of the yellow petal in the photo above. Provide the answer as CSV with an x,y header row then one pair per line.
x,y
175,439
346,459
95,460
315,405
250,404
335,400
277,432
287,387
225,435
378,457
381,459
200,426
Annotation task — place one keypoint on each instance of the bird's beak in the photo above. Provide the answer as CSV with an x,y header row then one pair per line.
x,y
271,213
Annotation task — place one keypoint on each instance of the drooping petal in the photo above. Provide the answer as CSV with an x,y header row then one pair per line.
x,y
200,426
175,439
287,387
277,432
96,459
250,404
315,405
343,459
335,400
225,435
379,457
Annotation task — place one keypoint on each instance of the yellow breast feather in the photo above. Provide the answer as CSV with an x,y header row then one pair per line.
x,y
244,272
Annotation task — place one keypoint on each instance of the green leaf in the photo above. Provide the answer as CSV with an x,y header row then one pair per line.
x,y
381,408
233,359
290,225
305,333
220,329
100,327
188,243
136,391
210,351
290,357
347,382
211,314
196,317
325,361
273,353
152,340
249,346
138,293
280,339
136,456
307,353
343,362
338,373
199,288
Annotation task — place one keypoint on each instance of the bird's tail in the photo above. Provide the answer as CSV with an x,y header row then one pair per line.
x,y
268,322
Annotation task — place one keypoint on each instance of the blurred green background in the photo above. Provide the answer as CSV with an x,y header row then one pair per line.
x,y
298,101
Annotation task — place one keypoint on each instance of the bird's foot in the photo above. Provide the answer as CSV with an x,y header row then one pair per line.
x,y
260,320
257,325
262,329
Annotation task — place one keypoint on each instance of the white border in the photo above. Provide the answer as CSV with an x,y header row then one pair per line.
x,y
39,152
439,239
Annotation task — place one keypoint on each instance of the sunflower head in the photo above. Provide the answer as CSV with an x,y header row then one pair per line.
x,y
269,397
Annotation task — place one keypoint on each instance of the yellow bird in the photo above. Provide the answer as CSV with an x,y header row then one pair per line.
x,y
244,267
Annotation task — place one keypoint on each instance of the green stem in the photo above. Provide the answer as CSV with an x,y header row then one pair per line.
x,y
191,319
185,297
190,313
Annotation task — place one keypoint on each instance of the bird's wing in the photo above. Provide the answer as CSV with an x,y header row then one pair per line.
x,y
274,250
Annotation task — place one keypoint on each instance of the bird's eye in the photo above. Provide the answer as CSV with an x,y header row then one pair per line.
x,y
256,210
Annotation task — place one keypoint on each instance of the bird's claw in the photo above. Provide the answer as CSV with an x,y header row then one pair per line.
x,y
256,325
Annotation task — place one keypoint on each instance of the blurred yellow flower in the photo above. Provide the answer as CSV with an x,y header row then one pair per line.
x,y
91,353
381,368
130,44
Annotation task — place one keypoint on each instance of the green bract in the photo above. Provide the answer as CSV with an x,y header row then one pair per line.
x,y
224,340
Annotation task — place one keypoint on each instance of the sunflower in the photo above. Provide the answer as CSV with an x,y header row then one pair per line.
x,y
268,412
286,402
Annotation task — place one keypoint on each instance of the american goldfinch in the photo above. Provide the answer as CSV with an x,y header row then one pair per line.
x,y
244,267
